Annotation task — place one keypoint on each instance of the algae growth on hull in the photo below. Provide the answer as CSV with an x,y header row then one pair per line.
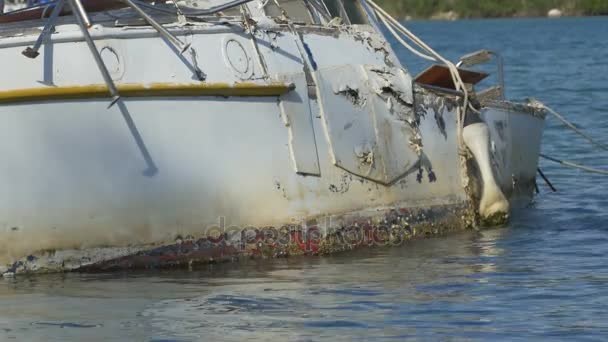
x,y
317,237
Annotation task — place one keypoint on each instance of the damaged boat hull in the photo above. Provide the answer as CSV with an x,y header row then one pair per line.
x,y
347,153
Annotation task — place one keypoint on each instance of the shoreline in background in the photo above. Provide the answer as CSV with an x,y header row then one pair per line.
x,y
450,18
450,10
486,9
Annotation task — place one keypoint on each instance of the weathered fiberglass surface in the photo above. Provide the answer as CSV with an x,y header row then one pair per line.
x,y
542,278
155,198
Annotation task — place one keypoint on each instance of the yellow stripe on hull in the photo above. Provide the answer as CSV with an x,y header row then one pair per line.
x,y
144,90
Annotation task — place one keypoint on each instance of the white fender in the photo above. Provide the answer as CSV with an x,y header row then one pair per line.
x,y
493,201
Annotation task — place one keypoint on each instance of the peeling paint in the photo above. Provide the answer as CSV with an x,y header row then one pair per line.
x,y
281,189
274,36
352,94
426,101
371,134
397,105
365,153
374,42
441,124
416,143
343,186
398,99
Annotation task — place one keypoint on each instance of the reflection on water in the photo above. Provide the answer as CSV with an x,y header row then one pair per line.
x,y
367,293
478,285
545,277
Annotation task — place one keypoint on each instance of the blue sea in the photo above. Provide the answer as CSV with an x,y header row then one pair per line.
x,y
544,277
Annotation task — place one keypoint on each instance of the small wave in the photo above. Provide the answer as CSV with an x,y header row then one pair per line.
x,y
68,325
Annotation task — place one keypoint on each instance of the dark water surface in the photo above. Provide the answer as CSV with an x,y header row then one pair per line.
x,y
544,277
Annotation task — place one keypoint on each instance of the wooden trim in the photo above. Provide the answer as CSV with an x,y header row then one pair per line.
x,y
144,90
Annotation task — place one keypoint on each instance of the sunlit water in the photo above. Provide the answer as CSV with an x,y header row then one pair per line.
x,y
545,277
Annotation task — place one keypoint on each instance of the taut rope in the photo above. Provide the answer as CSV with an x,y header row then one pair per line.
x,y
573,127
574,165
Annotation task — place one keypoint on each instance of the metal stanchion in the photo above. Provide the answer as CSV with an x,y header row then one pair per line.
x,y
82,19
32,52
178,44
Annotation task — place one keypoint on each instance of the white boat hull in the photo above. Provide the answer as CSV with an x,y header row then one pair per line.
x,y
168,181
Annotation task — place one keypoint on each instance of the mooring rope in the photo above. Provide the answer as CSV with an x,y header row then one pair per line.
x,y
391,27
574,165
396,28
574,128
578,131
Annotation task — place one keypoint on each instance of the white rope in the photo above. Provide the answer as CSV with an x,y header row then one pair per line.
x,y
390,26
459,84
574,128
576,166
397,30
